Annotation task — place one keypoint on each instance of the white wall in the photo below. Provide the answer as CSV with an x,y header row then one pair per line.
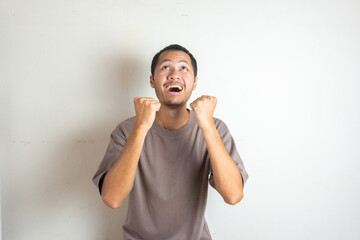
x,y
286,74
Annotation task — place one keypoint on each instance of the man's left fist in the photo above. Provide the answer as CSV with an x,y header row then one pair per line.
x,y
204,108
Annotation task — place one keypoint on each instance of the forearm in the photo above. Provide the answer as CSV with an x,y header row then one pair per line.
x,y
226,175
119,179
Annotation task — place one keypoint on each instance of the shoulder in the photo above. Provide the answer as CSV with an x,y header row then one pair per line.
x,y
125,126
220,125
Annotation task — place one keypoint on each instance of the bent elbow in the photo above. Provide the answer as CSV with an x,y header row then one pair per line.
x,y
233,200
111,203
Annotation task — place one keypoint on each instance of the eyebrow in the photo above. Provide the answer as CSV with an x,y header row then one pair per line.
x,y
168,60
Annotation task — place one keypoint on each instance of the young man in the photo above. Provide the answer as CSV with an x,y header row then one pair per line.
x,y
164,157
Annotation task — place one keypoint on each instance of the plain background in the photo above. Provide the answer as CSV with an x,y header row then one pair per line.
x,y
286,75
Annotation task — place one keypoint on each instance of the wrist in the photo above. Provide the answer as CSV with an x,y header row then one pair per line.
x,y
208,128
140,129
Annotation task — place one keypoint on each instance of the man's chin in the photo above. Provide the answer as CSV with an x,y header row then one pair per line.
x,y
174,104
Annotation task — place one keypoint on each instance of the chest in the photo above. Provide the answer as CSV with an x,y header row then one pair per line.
x,y
173,167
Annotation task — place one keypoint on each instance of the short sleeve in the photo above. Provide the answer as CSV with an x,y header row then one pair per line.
x,y
230,146
117,142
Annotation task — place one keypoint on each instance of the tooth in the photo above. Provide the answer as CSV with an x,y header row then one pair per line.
x,y
175,86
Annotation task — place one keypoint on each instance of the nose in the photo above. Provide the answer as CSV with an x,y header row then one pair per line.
x,y
174,75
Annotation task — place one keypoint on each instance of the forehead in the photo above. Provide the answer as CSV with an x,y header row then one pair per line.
x,y
174,56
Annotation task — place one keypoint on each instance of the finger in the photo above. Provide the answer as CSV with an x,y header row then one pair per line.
x,y
141,99
193,103
151,101
147,98
148,101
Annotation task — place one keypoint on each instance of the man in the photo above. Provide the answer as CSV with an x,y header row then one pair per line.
x,y
164,157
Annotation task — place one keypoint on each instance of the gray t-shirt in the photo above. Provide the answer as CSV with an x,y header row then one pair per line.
x,y
169,194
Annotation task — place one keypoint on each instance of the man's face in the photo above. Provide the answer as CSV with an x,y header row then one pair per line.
x,y
173,78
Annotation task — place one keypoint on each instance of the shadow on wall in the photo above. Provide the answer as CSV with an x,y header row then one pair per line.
x,y
71,199
108,221
128,78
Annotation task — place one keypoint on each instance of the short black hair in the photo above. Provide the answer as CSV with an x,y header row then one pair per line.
x,y
175,47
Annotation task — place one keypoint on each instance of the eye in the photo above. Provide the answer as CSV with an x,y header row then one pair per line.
x,y
165,67
184,68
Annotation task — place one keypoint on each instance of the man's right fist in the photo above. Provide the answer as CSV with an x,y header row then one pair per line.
x,y
145,108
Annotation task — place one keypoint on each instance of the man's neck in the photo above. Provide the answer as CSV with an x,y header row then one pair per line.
x,y
172,118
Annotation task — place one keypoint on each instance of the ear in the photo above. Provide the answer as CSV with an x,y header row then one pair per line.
x,y
195,83
152,83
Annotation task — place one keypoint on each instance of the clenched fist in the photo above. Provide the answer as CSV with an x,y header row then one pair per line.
x,y
145,108
204,108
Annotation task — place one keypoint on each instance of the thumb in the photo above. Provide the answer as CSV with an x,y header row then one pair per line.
x,y
157,107
192,105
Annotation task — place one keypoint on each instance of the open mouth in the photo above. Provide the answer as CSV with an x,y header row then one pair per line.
x,y
174,88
